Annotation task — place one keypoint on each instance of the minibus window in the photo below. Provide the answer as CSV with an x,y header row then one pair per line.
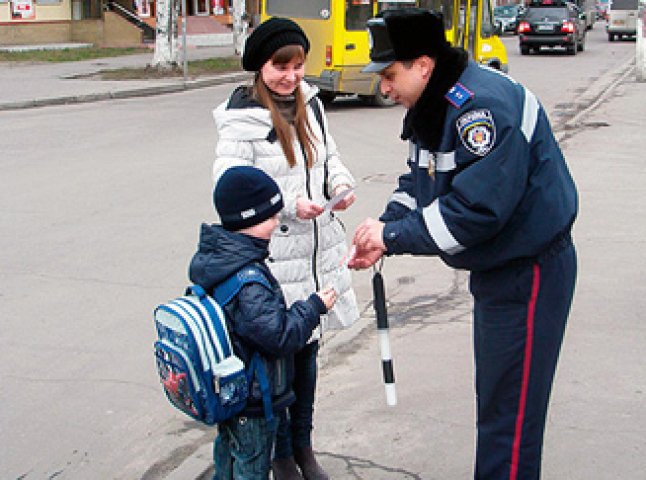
x,y
445,7
623,5
383,5
357,13
486,28
299,8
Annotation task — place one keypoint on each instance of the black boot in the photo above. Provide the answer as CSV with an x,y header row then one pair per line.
x,y
309,466
285,469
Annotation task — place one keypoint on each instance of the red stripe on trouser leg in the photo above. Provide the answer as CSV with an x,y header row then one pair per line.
x,y
527,364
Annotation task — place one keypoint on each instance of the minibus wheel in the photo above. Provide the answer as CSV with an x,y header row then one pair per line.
x,y
326,97
378,99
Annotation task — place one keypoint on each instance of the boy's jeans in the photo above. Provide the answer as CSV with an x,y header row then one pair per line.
x,y
295,428
243,449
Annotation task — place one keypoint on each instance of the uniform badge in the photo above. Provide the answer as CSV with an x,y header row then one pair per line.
x,y
458,95
477,131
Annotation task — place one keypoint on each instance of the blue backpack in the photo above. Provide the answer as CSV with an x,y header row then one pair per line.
x,y
197,368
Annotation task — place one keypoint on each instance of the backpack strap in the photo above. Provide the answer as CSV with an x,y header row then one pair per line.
x,y
228,289
316,108
257,369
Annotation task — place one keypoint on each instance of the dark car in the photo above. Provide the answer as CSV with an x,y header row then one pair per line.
x,y
553,25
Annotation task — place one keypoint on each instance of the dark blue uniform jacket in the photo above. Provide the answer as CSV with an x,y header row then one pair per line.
x,y
258,319
494,188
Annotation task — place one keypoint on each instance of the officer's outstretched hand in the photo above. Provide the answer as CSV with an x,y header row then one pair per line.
x,y
369,244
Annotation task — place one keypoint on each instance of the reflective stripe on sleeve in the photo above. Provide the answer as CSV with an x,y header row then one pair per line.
x,y
405,199
530,115
438,230
424,159
444,161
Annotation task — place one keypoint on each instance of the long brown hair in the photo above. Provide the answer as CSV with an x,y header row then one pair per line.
x,y
304,131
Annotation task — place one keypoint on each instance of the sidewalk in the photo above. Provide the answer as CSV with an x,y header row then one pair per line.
x,y
28,85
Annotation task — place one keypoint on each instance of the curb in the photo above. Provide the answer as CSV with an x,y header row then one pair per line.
x,y
599,92
179,86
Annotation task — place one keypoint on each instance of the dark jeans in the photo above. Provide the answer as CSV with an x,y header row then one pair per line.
x,y
295,425
520,314
242,449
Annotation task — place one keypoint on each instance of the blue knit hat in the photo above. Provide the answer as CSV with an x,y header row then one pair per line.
x,y
246,196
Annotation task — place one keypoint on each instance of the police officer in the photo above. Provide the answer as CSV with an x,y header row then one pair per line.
x,y
488,191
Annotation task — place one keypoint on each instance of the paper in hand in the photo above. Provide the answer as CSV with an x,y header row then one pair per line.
x,y
351,254
334,201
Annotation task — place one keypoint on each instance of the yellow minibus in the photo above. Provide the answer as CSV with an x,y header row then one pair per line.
x,y
340,46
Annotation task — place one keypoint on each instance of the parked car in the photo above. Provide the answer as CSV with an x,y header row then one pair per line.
x,y
553,25
506,16
622,19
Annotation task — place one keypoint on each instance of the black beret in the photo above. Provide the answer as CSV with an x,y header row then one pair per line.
x,y
405,34
268,37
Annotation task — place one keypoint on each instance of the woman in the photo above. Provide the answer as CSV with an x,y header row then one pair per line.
x,y
277,125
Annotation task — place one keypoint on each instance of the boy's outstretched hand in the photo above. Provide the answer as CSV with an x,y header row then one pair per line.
x,y
327,296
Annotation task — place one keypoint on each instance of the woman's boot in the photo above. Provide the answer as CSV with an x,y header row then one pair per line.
x,y
285,469
309,466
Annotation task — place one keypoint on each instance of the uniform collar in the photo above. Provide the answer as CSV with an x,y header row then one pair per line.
x,y
425,120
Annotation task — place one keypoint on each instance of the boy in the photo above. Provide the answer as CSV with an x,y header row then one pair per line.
x,y
248,201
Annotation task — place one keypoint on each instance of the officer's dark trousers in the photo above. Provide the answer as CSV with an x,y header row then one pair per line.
x,y
520,314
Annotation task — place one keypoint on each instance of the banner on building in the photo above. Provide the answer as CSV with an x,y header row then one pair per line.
x,y
22,10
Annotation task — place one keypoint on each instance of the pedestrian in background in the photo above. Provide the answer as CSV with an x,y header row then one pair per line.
x,y
248,202
279,126
488,191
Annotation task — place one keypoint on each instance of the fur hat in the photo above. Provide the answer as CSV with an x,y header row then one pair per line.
x,y
404,34
246,196
268,37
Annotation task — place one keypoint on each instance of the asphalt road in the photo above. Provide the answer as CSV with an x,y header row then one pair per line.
x,y
101,208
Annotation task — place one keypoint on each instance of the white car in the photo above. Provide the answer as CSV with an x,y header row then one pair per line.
x,y
622,19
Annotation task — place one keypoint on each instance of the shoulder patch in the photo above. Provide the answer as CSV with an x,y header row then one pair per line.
x,y
458,95
477,131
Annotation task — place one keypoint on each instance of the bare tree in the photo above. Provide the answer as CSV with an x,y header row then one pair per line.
x,y
240,25
166,43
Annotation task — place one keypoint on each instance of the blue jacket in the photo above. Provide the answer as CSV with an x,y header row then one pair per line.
x,y
258,318
489,185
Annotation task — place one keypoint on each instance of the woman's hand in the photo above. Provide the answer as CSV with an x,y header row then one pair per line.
x,y
306,209
347,200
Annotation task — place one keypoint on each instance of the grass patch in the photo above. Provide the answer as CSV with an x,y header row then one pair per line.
x,y
196,68
68,54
